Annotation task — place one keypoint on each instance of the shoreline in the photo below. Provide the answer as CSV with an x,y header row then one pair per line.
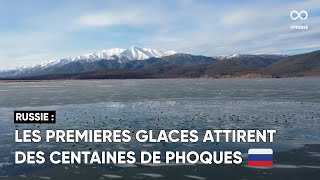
x,y
184,78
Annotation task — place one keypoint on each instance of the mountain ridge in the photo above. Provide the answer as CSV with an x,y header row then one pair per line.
x,y
119,54
179,65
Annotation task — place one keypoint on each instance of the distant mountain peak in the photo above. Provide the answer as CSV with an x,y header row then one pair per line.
x,y
234,56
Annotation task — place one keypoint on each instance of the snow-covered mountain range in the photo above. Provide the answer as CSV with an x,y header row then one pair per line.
x,y
117,54
133,53
133,58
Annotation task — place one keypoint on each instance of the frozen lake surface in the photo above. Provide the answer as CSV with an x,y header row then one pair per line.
x,y
291,106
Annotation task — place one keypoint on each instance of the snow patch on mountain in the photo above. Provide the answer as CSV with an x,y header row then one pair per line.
x,y
227,57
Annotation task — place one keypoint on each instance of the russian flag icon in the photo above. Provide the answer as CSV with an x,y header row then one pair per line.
x,y
260,157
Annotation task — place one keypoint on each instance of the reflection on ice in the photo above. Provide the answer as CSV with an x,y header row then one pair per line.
x,y
194,177
112,176
152,175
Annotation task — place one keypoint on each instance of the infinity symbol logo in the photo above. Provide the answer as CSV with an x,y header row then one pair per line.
x,y
303,15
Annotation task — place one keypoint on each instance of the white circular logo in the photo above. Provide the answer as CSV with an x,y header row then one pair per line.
x,y
303,15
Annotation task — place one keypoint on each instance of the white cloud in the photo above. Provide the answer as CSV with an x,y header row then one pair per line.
x,y
239,17
100,19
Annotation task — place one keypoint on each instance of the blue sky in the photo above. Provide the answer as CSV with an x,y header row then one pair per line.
x,y
35,31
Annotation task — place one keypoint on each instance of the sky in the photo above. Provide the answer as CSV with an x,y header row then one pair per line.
x,y
34,31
